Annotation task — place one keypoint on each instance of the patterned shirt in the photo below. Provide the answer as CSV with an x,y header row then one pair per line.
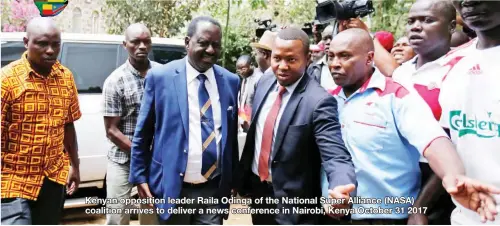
x,y
122,94
35,110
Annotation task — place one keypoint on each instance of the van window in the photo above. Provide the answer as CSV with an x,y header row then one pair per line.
x,y
90,63
11,51
166,54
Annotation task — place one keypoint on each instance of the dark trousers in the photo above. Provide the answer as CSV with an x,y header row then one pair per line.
x,y
47,209
440,213
262,190
206,190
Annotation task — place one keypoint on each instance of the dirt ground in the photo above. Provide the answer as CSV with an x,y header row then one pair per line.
x,y
78,217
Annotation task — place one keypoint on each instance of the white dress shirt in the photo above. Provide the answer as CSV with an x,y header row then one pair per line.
x,y
195,154
261,121
326,79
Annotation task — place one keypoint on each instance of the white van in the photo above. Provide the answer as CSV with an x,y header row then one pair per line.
x,y
92,58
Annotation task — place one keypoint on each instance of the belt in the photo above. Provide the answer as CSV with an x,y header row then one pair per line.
x,y
215,180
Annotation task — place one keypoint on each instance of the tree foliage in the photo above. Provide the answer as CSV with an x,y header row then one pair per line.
x,y
163,18
390,15
17,13
240,29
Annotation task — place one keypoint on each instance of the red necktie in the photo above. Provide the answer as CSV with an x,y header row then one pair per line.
x,y
267,136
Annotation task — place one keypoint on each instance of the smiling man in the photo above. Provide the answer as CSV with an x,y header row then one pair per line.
x,y
185,143
402,51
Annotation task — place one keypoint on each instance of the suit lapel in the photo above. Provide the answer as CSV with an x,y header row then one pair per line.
x,y
288,113
223,97
180,82
261,96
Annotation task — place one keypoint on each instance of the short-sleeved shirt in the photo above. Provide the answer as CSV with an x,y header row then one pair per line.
x,y
386,128
122,94
470,98
425,81
35,110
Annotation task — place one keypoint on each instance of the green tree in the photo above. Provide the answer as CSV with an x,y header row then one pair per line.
x,y
237,20
163,18
292,12
390,15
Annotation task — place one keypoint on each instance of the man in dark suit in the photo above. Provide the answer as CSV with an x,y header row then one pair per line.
x,y
190,109
294,132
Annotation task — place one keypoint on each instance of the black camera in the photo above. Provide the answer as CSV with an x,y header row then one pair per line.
x,y
328,10
307,28
263,26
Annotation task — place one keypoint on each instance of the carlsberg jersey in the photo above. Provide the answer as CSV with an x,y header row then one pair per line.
x,y
470,101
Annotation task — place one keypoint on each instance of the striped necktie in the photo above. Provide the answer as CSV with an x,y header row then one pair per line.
x,y
209,147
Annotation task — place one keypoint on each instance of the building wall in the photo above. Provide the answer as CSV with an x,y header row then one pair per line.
x,y
79,17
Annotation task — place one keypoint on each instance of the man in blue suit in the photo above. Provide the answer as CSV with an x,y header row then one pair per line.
x,y
185,143
294,131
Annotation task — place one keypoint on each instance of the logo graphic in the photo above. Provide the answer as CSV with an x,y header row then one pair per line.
x,y
50,7
465,124
476,70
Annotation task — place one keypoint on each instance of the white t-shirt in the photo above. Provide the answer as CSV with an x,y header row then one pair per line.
x,y
425,81
470,99
326,79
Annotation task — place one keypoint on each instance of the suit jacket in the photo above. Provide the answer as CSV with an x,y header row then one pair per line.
x,y
314,70
245,98
308,136
164,115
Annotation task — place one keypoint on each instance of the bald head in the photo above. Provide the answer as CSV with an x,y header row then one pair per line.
x,y
41,26
350,58
135,30
437,7
43,44
459,38
138,44
357,39
244,59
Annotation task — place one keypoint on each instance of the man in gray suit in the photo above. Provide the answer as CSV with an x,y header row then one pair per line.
x,y
249,77
294,131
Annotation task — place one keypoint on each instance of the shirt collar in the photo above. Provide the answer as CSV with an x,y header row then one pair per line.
x,y
414,60
56,71
135,71
192,73
413,63
323,60
376,81
290,88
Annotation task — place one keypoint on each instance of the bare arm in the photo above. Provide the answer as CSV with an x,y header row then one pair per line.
x,y
443,158
115,135
70,144
384,60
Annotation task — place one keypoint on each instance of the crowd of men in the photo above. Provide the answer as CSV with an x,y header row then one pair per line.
x,y
348,116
